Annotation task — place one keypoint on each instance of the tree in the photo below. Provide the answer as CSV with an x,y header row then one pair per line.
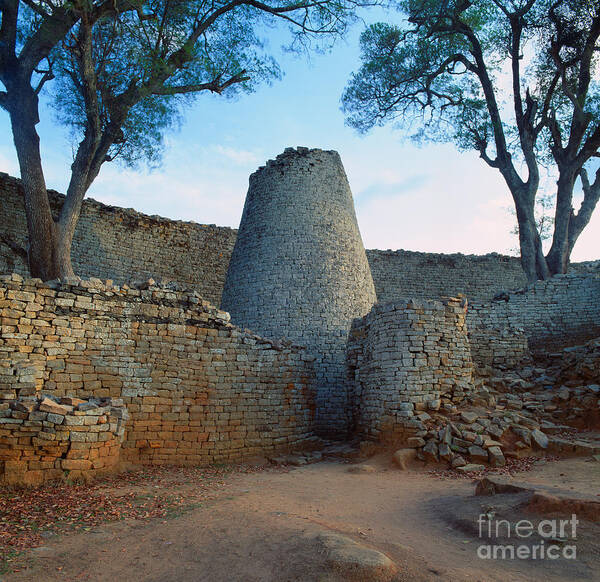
x,y
544,204
515,80
118,71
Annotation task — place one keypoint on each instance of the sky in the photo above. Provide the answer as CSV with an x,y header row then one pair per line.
x,y
429,198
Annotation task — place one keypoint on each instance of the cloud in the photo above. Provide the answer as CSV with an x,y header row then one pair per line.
x,y
382,189
242,157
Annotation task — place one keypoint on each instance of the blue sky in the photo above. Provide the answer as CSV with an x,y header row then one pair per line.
x,y
430,198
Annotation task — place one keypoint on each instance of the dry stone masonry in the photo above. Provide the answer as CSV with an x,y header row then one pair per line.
x,y
399,274
198,389
405,354
95,374
562,311
299,268
44,439
124,245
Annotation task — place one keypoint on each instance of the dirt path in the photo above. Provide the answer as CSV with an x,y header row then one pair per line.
x,y
263,527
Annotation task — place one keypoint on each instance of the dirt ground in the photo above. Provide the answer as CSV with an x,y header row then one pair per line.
x,y
263,526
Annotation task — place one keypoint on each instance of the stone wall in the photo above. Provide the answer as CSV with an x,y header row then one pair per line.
x,y
42,439
299,268
563,311
406,355
500,348
401,274
198,389
124,245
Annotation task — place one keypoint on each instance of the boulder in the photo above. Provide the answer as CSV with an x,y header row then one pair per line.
x,y
458,461
539,439
354,561
496,457
430,452
478,454
468,417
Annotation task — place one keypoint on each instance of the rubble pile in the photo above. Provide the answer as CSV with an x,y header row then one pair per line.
x,y
537,409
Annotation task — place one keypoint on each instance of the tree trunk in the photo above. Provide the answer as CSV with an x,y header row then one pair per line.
x,y
560,251
69,216
532,256
40,222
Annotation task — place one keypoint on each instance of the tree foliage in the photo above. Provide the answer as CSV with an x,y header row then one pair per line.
x,y
117,73
515,80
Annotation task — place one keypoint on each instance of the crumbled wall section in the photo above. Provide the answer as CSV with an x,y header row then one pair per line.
x,y
44,440
124,245
562,311
402,354
299,268
198,389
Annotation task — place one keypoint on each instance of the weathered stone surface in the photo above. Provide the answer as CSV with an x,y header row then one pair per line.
x,y
496,457
198,389
195,255
396,370
469,417
471,467
48,405
478,454
415,442
458,461
445,452
356,562
430,451
539,438
42,446
310,286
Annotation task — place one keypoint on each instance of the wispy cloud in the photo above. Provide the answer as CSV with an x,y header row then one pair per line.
x,y
242,157
391,189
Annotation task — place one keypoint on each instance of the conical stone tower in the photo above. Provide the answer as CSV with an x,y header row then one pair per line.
x,y
299,268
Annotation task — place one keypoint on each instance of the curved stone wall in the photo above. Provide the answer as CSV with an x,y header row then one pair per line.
x,y
402,356
299,268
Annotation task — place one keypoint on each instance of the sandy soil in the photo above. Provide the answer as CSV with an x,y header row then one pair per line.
x,y
263,527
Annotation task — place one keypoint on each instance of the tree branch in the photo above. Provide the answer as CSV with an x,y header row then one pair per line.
x,y
36,8
55,26
503,158
523,117
591,195
547,102
214,86
8,35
